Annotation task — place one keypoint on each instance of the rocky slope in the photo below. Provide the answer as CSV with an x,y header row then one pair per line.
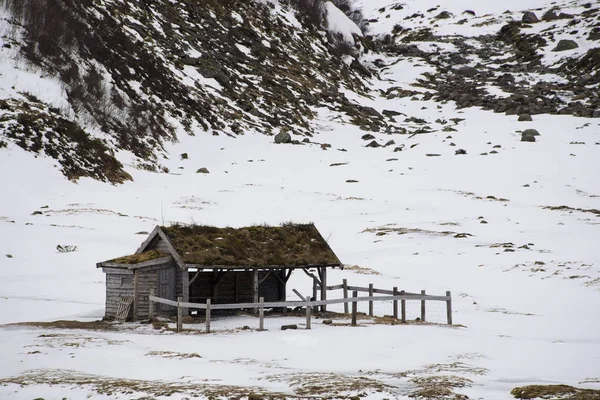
x,y
129,77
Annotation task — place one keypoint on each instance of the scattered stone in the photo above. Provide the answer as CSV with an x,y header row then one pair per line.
x,y
432,155
392,159
528,135
460,151
184,156
596,113
565,44
338,164
142,233
286,327
550,15
525,117
373,144
9,256
470,12
397,149
203,170
327,322
36,213
497,146
391,113
246,328
351,181
493,152
368,136
325,146
443,15
452,144
45,207
483,221
306,140
529,17
283,137
389,143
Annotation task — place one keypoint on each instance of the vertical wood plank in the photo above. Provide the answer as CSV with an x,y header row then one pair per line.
x,y
151,305
283,289
207,315
237,288
354,308
324,288
314,295
395,303
403,307
255,288
185,283
308,322
449,307
371,302
423,307
135,295
179,314
345,289
261,315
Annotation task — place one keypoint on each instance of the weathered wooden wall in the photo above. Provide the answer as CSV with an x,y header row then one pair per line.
x,y
119,283
148,278
234,287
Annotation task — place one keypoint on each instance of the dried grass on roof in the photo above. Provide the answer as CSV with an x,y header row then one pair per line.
x,y
286,245
138,258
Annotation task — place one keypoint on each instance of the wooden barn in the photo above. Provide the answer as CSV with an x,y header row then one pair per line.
x,y
226,265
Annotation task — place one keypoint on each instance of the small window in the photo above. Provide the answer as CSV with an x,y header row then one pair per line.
x,y
126,281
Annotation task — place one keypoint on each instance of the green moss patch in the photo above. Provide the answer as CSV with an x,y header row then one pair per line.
x,y
557,392
138,258
285,245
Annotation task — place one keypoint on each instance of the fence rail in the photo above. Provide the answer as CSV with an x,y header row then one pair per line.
x,y
309,304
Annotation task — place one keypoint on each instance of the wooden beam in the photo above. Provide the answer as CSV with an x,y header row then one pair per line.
x,y
255,288
185,288
324,287
265,278
196,275
289,273
148,240
311,275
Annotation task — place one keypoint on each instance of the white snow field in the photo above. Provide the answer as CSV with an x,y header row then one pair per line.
x,y
525,280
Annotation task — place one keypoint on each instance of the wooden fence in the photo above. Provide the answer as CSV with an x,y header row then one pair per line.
x,y
309,304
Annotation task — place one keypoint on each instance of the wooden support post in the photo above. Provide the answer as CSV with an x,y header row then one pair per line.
x,y
423,307
354,308
403,307
207,315
345,289
261,315
314,295
449,307
324,288
179,314
255,289
185,288
308,316
395,303
371,302
151,306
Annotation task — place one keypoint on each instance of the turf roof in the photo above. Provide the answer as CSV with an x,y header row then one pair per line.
x,y
286,245
138,258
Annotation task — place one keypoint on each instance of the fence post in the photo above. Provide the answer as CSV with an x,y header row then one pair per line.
x,y
179,314
261,315
403,305
207,315
423,307
449,307
354,308
395,303
308,313
151,305
345,288
371,301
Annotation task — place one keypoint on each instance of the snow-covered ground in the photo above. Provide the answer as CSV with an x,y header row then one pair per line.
x,y
525,280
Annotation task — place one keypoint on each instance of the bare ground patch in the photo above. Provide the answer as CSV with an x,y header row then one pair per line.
x,y
393,228
562,392
115,386
361,270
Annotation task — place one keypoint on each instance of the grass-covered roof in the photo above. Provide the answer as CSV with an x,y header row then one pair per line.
x,y
138,258
253,246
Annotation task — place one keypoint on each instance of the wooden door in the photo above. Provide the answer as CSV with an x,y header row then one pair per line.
x,y
166,287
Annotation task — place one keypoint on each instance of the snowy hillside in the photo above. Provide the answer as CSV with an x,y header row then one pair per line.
x,y
414,161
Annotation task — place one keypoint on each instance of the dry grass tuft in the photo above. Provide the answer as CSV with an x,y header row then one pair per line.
x,y
331,385
62,324
285,245
173,354
138,258
439,387
562,392
361,270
